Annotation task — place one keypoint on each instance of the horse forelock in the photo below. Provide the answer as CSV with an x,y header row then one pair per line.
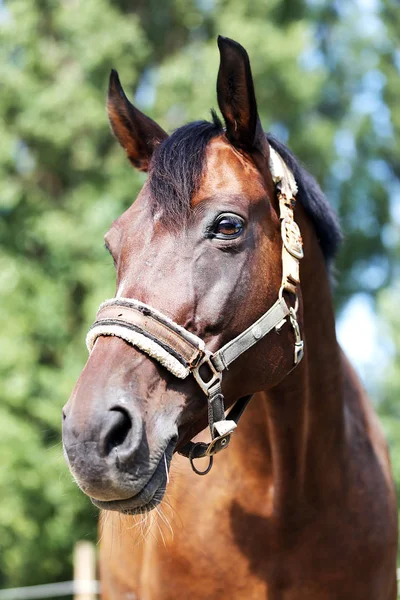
x,y
178,164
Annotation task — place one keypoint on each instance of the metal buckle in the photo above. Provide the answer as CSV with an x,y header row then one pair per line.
x,y
291,238
213,445
216,376
224,430
298,342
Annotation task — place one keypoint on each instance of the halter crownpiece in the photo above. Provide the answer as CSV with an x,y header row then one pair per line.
x,y
183,353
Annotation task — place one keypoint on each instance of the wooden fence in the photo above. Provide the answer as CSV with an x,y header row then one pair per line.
x,y
83,587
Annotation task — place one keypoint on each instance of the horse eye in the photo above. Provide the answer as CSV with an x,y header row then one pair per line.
x,y
228,226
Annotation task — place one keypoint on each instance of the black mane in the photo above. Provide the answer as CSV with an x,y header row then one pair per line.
x,y
177,166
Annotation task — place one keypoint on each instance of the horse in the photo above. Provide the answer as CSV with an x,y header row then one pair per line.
x,y
224,303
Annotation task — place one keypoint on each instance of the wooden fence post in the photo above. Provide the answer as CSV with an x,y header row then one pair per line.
x,y
84,571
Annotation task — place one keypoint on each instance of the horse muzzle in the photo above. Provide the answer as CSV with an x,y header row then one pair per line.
x,y
111,461
150,494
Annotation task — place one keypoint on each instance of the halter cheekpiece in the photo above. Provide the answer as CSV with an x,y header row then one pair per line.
x,y
183,353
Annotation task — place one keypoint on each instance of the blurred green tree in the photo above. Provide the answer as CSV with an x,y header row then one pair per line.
x,y
388,387
65,183
388,404
319,67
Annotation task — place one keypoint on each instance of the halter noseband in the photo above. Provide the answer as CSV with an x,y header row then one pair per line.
x,y
182,352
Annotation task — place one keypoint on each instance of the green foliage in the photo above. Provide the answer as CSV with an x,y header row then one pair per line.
x,y
65,180
389,405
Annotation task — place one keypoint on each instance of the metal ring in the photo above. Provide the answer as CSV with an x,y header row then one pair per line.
x,y
195,469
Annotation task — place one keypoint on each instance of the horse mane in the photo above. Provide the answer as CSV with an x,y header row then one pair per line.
x,y
177,166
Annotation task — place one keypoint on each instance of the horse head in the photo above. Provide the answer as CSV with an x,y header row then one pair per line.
x,y
202,246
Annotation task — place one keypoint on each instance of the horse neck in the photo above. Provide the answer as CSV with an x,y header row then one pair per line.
x,y
305,411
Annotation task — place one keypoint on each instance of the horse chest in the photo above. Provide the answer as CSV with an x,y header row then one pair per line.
x,y
205,571
226,541
224,545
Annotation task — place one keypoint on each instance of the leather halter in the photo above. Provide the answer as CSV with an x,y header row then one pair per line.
x,y
183,353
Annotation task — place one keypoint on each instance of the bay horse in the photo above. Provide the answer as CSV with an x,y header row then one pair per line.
x,y
220,300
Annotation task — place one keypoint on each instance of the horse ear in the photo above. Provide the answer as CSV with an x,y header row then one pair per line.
x,y
137,134
236,98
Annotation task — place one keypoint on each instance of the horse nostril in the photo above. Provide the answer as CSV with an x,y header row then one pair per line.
x,y
118,430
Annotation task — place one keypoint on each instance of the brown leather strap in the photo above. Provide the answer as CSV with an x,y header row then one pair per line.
x,y
162,333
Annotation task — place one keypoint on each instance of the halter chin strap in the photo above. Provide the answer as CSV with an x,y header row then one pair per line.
x,y
183,353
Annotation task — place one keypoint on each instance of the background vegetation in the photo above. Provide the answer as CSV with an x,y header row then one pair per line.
x,y
328,83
